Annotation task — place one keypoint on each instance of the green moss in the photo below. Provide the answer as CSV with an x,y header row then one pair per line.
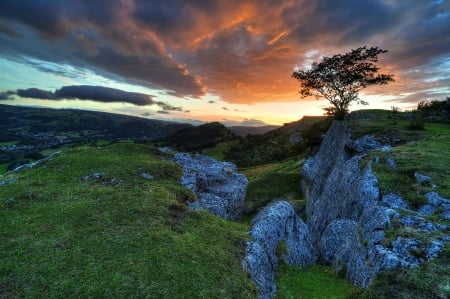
x,y
274,181
62,236
313,282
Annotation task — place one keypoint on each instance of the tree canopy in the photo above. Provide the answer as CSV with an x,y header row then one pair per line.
x,y
339,78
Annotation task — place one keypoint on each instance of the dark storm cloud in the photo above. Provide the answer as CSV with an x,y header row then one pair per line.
x,y
100,35
93,93
342,21
103,94
240,50
168,107
6,95
36,93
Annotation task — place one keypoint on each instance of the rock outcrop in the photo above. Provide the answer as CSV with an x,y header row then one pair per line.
x,y
347,216
276,232
218,186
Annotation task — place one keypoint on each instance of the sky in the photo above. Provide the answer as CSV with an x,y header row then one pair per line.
x,y
221,60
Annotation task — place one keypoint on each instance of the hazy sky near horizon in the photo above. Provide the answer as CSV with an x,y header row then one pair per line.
x,y
223,60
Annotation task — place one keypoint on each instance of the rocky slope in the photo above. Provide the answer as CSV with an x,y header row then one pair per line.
x,y
347,218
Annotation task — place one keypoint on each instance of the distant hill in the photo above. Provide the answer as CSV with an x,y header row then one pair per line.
x,y
19,121
279,144
200,137
244,130
26,133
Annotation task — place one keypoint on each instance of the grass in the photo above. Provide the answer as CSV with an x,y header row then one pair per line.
x,y
14,142
218,151
273,181
3,168
120,236
316,282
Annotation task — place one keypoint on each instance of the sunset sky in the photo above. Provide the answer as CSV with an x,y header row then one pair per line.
x,y
224,60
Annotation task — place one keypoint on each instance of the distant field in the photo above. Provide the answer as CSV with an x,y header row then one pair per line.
x,y
13,142
3,168
218,151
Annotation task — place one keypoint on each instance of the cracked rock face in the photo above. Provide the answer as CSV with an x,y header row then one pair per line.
x,y
347,216
276,227
218,186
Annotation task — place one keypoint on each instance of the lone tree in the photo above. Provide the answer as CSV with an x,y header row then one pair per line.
x,y
339,78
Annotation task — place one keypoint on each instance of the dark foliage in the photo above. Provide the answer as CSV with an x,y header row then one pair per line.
x,y
339,78
198,138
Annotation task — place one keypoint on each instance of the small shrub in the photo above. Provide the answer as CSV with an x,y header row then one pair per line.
x,y
417,122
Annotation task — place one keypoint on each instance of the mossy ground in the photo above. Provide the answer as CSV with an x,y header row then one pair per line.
x,y
314,282
120,236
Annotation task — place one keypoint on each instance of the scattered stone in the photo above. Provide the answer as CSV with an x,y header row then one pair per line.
x,y
435,200
36,163
421,224
8,181
427,210
364,145
394,201
93,176
445,215
390,162
422,179
218,186
435,248
146,176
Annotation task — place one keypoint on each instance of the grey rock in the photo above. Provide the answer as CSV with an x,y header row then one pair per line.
x,y
434,249
274,224
409,250
435,200
336,236
394,201
374,220
93,176
8,181
146,176
422,179
364,144
218,186
359,272
390,162
445,207
427,210
421,224
445,215
259,266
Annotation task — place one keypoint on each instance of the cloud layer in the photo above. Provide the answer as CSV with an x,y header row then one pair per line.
x,y
92,93
243,51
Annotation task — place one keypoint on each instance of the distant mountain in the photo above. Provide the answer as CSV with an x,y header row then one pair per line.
x,y
244,130
18,123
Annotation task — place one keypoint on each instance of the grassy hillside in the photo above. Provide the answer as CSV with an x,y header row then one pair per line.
x,y
87,224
